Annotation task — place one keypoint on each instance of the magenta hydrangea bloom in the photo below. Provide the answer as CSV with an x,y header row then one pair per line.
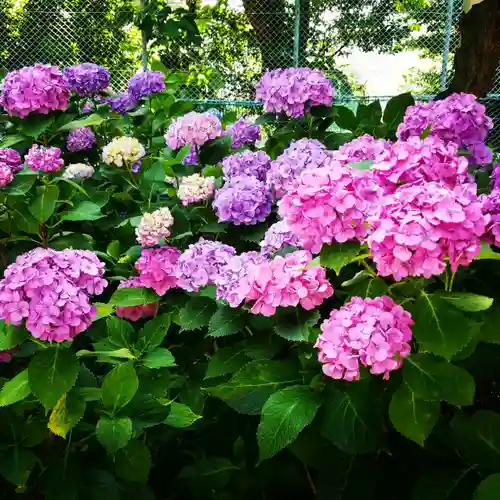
x,y
80,139
277,237
193,128
122,103
284,282
42,159
135,313
201,263
416,159
6,175
242,200
251,163
52,291
360,149
422,224
372,332
5,356
299,156
40,88
145,83
158,268
491,210
230,275
495,177
459,118
293,91
328,204
87,79
12,159
243,132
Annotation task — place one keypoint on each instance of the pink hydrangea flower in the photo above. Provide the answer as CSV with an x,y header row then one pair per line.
x,y
40,88
6,175
372,332
193,128
12,159
363,148
42,159
52,291
328,204
420,225
491,210
284,282
154,227
135,313
158,268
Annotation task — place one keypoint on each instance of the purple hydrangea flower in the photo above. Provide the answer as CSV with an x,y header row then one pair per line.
x,y
277,237
87,79
11,158
252,163
491,210
145,83
42,159
243,132
191,158
242,200
363,148
80,139
122,103
193,128
6,175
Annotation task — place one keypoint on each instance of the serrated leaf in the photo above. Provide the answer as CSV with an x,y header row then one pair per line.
x,y
120,332
181,416
130,296
489,488
15,389
66,414
114,433
11,336
52,372
337,256
226,321
120,386
133,462
196,313
153,333
293,323
159,358
226,360
44,204
414,418
468,302
284,415
20,185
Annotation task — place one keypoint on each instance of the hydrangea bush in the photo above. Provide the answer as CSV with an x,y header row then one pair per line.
x,y
196,305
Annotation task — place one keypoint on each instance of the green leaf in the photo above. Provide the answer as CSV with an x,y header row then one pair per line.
x,y
89,121
445,483
284,415
338,256
16,464
23,219
15,389
153,333
433,379
83,211
487,253
130,296
293,323
468,4
113,249
114,433
196,313
490,329
226,321
120,332
11,140
369,288
468,302
181,416
11,336
414,418
133,462
226,360
44,204
345,118
35,125
249,388
395,109
159,358
20,185
52,372
440,327
489,488
67,413
119,387
362,165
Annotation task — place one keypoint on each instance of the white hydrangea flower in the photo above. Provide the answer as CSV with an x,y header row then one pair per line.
x,y
154,226
78,171
123,150
194,188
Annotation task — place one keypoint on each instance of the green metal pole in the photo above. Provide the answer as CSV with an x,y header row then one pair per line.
x,y
296,36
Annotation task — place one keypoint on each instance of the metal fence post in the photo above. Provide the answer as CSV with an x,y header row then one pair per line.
x,y
144,43
296,35
446,45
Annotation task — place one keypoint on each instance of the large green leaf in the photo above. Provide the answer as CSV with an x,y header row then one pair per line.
x,y
434,379
490,329
133,462
337,256
369,288
114,433
159,358
153,333
181,416
83,211
414,418
52,372
294,323
120,332
395,109
345,118
284,415
226,360
11,336
468,302
489,489
131,296
44,204
21,184
15,389
119,387
226,321
89,121
23,219
445,483
250,387
67,413
35,125
16,464
197,313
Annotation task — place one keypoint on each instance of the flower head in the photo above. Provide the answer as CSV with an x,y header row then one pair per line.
x,y
195,188
122,103
11,158
360,149
80,139
191,158
243,132
491,210
154,227
123,150
40,88
42,159
78,171
251,163
135,313
373,332
145,83
87,79
193,128
277,237
158,268
6,175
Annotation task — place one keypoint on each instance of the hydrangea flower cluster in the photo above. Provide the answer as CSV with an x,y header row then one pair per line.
x,y
193,128
154,227
495,177
277,237
251,163
6,175
372,332
122,103
80,139
422,224
459,118
145,83
191,158
87,79
232,273
299,156
52,291
416,159
42,159
78,171
11,159
284,282
124,150
243,131
491,209
5,356
242,200
158,268
201,263
362,148
40,88
195,188
135,313
328,204
293,91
